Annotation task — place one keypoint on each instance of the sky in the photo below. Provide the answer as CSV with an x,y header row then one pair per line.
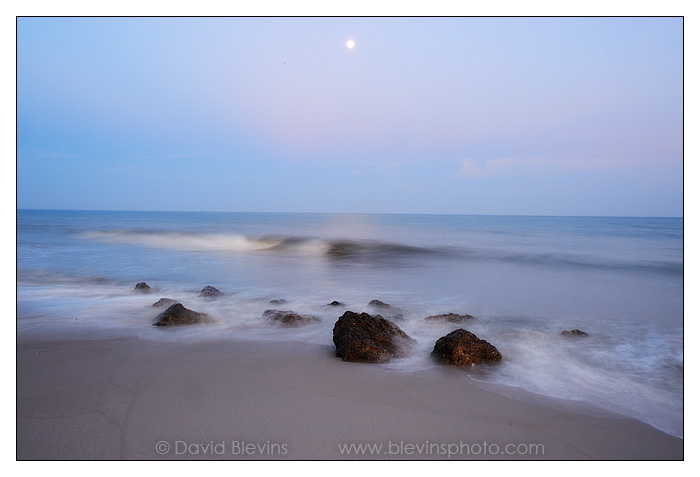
x,y
453,115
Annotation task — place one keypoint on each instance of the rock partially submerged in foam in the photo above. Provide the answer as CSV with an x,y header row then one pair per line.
x,y
575,333
365,338
209,292
387,311
164,302
289,318
335,303
280,301
449,317
464,348
143,287
177,315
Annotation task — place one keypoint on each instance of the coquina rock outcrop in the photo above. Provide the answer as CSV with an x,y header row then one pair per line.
x,y
366,338
177,315
449,317
464,348
289,318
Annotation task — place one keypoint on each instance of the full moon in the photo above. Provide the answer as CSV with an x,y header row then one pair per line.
x,y
350,44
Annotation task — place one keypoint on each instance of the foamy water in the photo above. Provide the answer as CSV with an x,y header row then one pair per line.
x,y
525,279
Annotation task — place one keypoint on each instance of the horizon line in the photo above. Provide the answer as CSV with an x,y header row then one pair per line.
x,y
351,213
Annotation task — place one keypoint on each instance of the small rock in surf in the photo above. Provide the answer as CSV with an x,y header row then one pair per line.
x,y
164,302
177,315
289,318
449,317
209,292
387,311
143,287
575,333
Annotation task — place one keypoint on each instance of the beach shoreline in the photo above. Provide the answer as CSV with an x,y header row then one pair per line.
x,y
135,399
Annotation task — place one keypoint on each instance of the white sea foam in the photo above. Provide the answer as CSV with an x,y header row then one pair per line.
x,y
637,374
184,241
524,285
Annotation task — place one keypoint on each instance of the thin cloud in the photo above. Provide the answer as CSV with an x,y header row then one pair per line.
x,y
469,167
489,167
510,166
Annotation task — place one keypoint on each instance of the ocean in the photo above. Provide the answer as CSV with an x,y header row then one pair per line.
x,y
525,279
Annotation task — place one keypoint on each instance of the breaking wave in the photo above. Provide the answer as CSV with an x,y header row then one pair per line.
x,y
191,242
354,250
196,242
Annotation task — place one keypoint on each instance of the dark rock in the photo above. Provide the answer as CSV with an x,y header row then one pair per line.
x,y
143,287
209,292
464,349
450,317
289,318
164,302
388,311
335,303
381,304
281,301
362,337
179,315
575,333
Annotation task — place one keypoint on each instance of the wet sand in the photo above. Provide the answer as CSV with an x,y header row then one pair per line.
x,y
135,399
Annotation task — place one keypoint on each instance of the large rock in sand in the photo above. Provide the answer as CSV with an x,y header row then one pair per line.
x,y
463,348
179,315
372,339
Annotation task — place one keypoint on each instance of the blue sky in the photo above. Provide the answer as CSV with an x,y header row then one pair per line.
x,y
553,116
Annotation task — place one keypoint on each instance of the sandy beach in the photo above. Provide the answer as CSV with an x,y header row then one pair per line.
x,y
503,191
136,399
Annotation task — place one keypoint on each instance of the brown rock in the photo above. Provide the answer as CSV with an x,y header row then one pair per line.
x,y
209,292
387,311
450,317
463,348
362,337
289,318
164,302
575,333
177,315
143,287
